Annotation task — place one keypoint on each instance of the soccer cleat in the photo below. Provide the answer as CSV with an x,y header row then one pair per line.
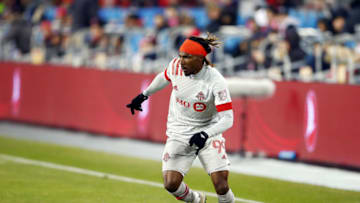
x,y
199,197
202,197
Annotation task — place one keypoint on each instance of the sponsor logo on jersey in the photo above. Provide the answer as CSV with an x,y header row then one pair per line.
x,y
183,103
199,107
222,95
200,96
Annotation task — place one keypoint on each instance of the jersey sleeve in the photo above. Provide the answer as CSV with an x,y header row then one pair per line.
x,y
222,95
166,74
158,83
162,79
172,70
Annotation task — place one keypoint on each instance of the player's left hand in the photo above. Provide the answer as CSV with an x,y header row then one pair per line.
x,y
199,139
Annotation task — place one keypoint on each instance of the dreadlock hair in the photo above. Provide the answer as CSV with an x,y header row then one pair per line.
x,y
210,41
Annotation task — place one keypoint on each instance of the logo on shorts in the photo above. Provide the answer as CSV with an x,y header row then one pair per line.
x,y
166,157
219,145
200,96
199,107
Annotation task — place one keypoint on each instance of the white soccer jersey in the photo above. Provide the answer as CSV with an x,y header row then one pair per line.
x,y
195,100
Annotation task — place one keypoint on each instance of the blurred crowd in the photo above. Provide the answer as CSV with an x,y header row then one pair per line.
x,y
306,40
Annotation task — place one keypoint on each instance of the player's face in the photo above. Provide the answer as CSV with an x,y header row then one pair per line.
x,y
191,64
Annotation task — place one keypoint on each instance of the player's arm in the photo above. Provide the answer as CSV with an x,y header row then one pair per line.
x,y
226,116
225,122
159,83
223,105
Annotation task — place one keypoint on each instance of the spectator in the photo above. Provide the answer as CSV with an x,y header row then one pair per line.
x,y
83,13
296,53
323,25
54,48
213,13
338,25
252,26
261,17
109,3
318,53
229,12
285,20
133,21
354,16
146,52
172,16
162,35
20,30
186,19
118,45
95,35
160,23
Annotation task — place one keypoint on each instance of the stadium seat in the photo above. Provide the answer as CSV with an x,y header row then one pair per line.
x,y
148,14
199,15
241,20
307,19
113,14
132,41
50,13
230,44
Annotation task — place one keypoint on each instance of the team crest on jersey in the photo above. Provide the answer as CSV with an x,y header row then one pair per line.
x,y
200,96
222,95
199,107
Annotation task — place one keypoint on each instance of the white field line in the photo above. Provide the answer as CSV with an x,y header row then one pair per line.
x,y
99,174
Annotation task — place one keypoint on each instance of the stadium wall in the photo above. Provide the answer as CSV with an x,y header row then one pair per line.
x,y
320,122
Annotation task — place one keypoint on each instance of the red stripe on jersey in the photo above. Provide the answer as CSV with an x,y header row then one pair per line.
x,y
224,107
181,72
166,76
173,66
177,67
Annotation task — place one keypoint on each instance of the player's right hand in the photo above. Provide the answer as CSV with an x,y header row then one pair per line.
x,y
199,139
136,103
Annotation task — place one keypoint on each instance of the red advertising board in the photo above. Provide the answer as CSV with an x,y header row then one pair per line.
x,y
318,121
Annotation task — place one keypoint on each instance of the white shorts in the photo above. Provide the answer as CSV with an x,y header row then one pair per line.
x,y
179,156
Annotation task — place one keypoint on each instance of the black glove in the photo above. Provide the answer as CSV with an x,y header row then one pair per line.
x,y
136,103
199,139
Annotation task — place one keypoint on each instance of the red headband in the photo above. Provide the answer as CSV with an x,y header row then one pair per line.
x,y
193,48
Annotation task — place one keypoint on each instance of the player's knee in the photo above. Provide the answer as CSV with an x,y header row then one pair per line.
x,y
221,187
171,185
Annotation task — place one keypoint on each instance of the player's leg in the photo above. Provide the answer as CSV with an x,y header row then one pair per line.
x,y
177,160
214,159
220,181
173,184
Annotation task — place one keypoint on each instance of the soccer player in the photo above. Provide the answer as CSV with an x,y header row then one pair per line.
x,y
200,111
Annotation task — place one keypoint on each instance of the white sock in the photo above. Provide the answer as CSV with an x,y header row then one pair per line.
x,y
227,198
184,193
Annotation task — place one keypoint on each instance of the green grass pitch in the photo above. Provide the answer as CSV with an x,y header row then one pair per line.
x,y
29,183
